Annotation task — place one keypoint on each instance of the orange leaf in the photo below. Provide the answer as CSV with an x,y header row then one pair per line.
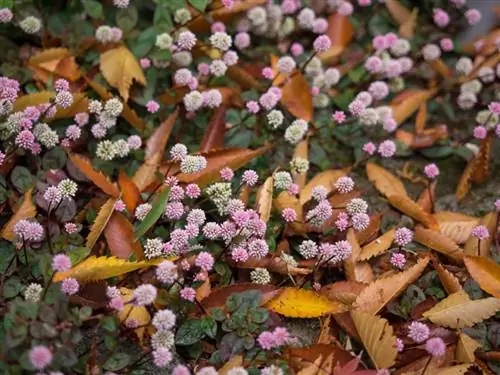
x,y
326,178
384,181
481,162
55,61
296,97
97,177
119,233
471,247
380,292
371,232
158,140
421,120
100,222
215,131
455,225
80,104
428,197
130,193
403,110
406,205
439,66
438,242
243,78
341,32
301,151
285,200
378,246
407,29
449,281
486,272
345,292
400,13
145,175
465,182
264,199
174,95
25,211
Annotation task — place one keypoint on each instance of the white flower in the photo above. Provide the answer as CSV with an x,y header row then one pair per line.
x,y
33,292
193,101
30,25
275,118
218,68
464,65
164,41
400,48
221,40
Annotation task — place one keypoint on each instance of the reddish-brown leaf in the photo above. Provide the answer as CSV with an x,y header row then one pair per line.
x,y
407,107
341,32
130,192
406,205
428,197
421,120
296,97
214,134
481,163
218,297
97,177
119,233
158,140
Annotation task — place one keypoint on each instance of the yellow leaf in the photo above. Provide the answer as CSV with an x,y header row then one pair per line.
x,y
25,211
409,207
378,246
100,222
354,270
449,281
264,199
384,181
97,177
486,272
436,241
377,337
235,361
145,175
458,311
301,151
475,247
101,268
453,370
302,303
80,104
326,178
455,225
404,109
120,67
466,348
130,311
381,291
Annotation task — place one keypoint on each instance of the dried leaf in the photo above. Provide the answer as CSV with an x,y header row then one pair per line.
x,y
371,232
377,337
326,178
449,281
421,120
264,199
398,11
301,151
406,205
100,222
345,292
404,109
340,32
218,296
458,311
97,177
285,200
465,181
384,181
56,62
158,140
378,246
407,29
236,361
440,67
120,68
130,193
296,97
481,163
455,225
301,303
465,348
243,78
383,290
215,131
130,311
25,211
474,246
427,197
80,104
436,241
453,370
354,270
486,272
101,268
119,233
146,174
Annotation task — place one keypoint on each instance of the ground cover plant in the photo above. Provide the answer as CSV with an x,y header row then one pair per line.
x,y
248,187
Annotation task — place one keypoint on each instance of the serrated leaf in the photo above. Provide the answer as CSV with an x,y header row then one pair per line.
x,y
486,272
25,211
481,163
406,205
436,241
326,178
465,348
474,246
264,199
129,192
120,68
378,246
384,181
302,303
153,215
456,226
130,311
102,268
97,177
403,109
119,233
80,104
354,270
146,174
458,311
383,290
100,222
53,63
449,281
158,140
377,337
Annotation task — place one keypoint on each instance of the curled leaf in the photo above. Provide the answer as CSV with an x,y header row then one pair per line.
x,y
264,199
25,211
97,177
378,246
100,222
455,225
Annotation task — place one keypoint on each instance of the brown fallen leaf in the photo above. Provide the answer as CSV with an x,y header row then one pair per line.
x,y
437,241
120,236
378,246
448,280
285,200
97,177
440,67
406,205
407,29
297,98
129,191
465,181
80,104
345,292
428,197
158,140
235,361
407,107
26,210
465,348
326,178
371,232
384,181
301,151
456,226
146,174
481,163
340,31
355,270
218,296
264,199
474,246
421,120
486,272
100,222
214,134
54,63
398,11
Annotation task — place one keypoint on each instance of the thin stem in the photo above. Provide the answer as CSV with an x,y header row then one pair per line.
x,y
304,66
426,365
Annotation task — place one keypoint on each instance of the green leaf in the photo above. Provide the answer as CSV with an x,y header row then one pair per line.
x,y
154,214
209,327
54,159
259,315
199,4
357,73
93,8
21,178
12,287
162,20
127,18
117,362
144,43
109,323
190,332
437,152
175,4
7,4
78,254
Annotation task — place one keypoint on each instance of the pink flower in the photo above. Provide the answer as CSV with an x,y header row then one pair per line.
x,y
145,63
61,263
268,100
227,3
205,261
473,16
497,205
61,85
344,184
204,69
390,39
2,157
289,215
70,286
152,106
342,222
345,9
398,260
435,346
379,43
356,107
399,345
418,332
116,303
441,18
281,336
5,15
374,64
494,107
162,357
193,191
268,73
144,294
181,369
188,294
252,106
40,357
364,3
218,27
266,340
339,116
431,171
242,40
315,91
369,148
296,49
360,221
119,206
239,254
320,25
322,43
480,132
446,44
250,177
25,139
293,189
387,149
480,232
390,125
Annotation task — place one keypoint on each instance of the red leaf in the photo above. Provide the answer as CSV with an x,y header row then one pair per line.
x,y
214,135
119,234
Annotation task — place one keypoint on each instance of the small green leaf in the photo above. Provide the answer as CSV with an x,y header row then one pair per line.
x,y
78,254
190,332
7,4
109,323
93,8
162,20
54,159
154,214
12,287
437,152
21,178
209,327
199,4
117,362
127,18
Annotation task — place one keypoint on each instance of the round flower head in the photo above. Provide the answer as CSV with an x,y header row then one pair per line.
x,y
387,149
242,40
345,8
164,320
360,221
431,52
162,357
250,177
193,164
5,15
473,16
260,276
33,292
166,272
480,232
70,286
418,332
188,294
403,236
40,357
286,64
441,18
186,40
221,40
398,260
239,254
289,215
308,249
61,263
67,188
435,346
205,261
322,43
30,25
144,294
374,64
